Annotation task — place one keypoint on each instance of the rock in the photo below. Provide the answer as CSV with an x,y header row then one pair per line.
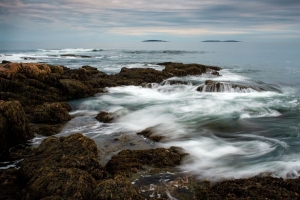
x,y
50,112
67,167
215,86
5,62
9,185
115,188
180,69
47,129
252,188
74,88
105,117
73,55
28,58
14,126
150,134
130,161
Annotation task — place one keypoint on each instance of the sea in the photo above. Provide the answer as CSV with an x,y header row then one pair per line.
x,y
229,134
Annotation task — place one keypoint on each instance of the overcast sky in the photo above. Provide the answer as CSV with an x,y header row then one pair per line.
x,y
172,20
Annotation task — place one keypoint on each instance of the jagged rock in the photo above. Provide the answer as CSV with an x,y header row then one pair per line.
x,y
116,188
105,117
215,86
14,126
130,161
67,167
150,134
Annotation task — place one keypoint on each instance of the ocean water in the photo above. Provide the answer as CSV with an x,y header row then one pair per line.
x,y
230,134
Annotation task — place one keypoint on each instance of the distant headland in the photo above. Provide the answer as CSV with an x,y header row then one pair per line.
x,y
154,41
221,41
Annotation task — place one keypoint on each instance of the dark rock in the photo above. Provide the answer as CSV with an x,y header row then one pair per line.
x,y
28,58
251,188
5,61
73,55
115,188
14,126
150,134
215,86
130,161
66,167
47,129
50,112
9,185
105,117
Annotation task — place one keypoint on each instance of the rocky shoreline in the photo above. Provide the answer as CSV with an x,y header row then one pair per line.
x,y
33,100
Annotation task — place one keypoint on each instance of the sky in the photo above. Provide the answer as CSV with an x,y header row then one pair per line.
x,y
171,20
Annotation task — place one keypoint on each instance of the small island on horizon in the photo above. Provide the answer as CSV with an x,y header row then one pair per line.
x,y
221,41
154,41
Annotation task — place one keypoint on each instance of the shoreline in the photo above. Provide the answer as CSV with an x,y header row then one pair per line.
x,y
35,94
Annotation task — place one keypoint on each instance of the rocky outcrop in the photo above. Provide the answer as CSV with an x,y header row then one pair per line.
x,y
131,161
150,134
252,188
180,69
67,167
14,126
76,56
105,117
216,86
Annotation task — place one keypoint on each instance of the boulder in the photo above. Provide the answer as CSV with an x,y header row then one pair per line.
x,y
50,112
150,134
131,161
116,188
14,126
67,167
105,117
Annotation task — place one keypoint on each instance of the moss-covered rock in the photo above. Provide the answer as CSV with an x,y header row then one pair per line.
x,y
130,161
116,188
150,134
14,126
50,112
67,167
105,117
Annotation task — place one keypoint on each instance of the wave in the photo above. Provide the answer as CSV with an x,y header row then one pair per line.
x,y
70,50
174,52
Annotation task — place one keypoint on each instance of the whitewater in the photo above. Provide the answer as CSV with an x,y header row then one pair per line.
x,y
233,133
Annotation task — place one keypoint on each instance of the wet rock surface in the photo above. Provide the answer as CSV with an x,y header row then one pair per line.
x,y
150,134
14,126
130,161
215,86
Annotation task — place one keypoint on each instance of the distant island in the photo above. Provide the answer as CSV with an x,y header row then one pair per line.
x,y
220,41
154,41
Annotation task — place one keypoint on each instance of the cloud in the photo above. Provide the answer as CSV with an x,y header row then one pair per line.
x,y
176,17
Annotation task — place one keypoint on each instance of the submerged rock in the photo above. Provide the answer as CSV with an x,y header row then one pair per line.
x,y
215,86
105,117
150,134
